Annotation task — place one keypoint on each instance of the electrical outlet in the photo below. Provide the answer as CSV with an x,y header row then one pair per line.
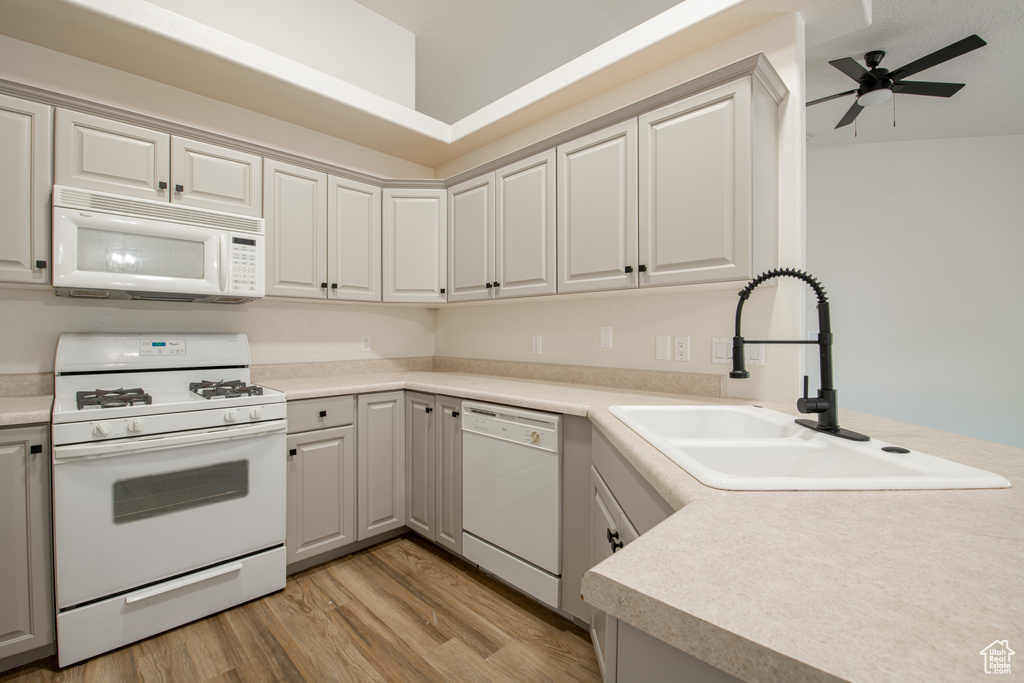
x,y
682,348
364,343
606,336
538,341
661,347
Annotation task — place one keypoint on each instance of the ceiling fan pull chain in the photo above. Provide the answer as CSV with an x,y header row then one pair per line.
x,y
894,110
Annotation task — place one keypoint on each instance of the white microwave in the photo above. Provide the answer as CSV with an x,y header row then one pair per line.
x,y
108,246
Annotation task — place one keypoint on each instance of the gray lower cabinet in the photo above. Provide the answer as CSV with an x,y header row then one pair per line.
x,y
321,476
622,506
26,564
434,468
380,463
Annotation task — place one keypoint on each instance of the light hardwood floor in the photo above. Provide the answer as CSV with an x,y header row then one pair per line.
x,y
402,610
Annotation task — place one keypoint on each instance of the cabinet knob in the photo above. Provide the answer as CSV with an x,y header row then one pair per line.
x,y
40,264
323,285
497,284
442,290
455,413
179,188
488,285
38,448
323,413
293,451
613,540
429,409
642,268
162,185
628,270
334,285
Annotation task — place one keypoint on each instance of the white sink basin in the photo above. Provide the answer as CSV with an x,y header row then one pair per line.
x,y
745,448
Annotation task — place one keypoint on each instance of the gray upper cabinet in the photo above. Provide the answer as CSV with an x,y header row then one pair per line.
x,y
26,177
597,210
94,153
380,463
707,186
296,224
471,240
501,232
353,240
524,227
211,177
26,564
323,235
415,245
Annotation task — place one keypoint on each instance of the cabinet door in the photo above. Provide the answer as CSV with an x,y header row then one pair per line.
x,y
296,222
26,177
448,449
98,154
213,177
381,463
353,240
26,564
415,245
524,227
597,220
695,188
421,466
321,492
471,239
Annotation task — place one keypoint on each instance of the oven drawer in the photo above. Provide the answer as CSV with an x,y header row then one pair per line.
x,y
320,413
108,624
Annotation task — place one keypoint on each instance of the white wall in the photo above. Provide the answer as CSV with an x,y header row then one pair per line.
x,y
278,331
920,246
338,37
570,326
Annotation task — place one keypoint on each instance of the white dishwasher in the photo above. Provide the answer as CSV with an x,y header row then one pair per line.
x,y
512,496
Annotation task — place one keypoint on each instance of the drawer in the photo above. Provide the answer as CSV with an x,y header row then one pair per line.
x,y
321,413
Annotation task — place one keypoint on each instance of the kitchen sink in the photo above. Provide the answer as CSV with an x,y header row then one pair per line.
x,y
747,448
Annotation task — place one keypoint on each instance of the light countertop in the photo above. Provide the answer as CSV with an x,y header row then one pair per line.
x,y
785,586
25,410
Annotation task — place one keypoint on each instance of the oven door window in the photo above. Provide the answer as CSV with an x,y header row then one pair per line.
x,y
106,251
161,494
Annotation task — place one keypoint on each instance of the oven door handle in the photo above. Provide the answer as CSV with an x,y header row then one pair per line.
x,y
106,449
184,582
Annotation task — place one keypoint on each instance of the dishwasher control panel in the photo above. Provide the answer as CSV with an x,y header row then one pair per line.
x,y
530,428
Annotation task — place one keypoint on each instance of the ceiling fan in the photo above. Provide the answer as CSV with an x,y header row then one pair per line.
x,y
878,85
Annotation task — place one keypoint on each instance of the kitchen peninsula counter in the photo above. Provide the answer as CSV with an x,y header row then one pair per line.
x,y
786,586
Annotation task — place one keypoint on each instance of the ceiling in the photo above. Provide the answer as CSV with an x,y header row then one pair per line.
x,y
470,53
992,103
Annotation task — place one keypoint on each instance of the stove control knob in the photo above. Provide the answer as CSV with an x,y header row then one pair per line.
x,y
256,413
135,425
101,429
231,415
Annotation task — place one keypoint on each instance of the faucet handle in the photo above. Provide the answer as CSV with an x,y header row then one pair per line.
x,y
811,405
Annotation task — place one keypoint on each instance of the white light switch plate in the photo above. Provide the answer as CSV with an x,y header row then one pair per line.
x,y
662,347
538,344
606,336
721,351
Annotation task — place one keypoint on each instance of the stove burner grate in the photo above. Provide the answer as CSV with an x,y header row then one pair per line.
x,y
235,388
111,398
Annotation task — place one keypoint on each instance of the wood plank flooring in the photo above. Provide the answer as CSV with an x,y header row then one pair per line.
x,y
402,610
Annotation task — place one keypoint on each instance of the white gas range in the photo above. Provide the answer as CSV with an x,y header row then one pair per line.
x,y
168,485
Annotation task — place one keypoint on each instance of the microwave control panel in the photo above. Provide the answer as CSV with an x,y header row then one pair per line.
x,y
245,266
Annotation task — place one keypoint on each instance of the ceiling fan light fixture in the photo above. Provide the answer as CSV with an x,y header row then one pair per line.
x,y
870,99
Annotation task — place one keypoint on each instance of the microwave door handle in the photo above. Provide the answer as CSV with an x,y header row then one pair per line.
x,y
223,263
110,449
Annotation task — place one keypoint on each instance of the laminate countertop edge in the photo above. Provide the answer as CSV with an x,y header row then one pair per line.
x,y
25,410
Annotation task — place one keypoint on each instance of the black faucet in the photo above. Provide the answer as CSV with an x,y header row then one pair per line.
x,y
826,405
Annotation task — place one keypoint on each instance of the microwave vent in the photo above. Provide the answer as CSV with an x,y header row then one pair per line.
x,y
73,198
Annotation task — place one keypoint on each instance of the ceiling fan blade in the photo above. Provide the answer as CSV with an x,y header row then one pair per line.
x,y
851,68
938,57
832,97
850,115
926,88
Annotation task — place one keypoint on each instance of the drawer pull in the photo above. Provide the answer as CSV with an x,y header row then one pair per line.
x,y
323,413
293,451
